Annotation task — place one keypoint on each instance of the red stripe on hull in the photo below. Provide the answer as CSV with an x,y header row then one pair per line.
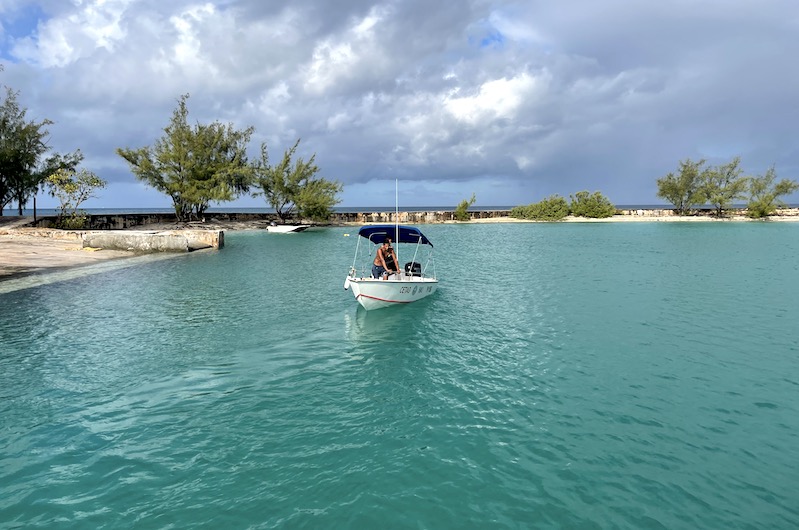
x,y
384,300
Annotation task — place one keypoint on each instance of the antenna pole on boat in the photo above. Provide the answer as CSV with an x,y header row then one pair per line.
x,y
396,219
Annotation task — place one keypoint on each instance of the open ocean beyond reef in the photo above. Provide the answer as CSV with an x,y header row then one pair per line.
x,y
576,375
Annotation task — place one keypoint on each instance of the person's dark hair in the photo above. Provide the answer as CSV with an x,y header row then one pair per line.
x,y
387,240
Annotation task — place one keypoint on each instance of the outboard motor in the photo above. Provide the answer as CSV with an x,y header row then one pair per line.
x,y
413,268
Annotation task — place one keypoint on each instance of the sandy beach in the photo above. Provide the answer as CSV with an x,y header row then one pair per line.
x,y
22,254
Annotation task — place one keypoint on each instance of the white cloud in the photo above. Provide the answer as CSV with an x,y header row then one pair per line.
x,y
330,62
353,53
495,99
63,40
185,51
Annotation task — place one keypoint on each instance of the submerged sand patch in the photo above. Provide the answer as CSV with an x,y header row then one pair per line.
x,y
22,254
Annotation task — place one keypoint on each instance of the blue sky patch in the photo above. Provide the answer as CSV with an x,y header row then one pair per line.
x,y
17,25
494,40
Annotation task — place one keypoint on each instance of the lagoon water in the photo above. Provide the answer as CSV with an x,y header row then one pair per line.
x,y
636,375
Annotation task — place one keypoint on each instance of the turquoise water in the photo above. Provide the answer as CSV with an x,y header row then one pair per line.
x,y
563,376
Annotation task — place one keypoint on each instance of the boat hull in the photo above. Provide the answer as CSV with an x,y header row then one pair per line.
x,y
287,229
372,293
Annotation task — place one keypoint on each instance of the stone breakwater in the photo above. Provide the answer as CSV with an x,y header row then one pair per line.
x,y
489,215
261,220
441,216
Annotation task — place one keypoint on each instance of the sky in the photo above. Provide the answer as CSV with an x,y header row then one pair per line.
x,y
512,101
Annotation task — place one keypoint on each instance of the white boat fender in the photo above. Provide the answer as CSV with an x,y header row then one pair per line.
x,y
347,283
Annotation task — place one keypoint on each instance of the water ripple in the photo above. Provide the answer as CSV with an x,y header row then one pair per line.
x,y
595,378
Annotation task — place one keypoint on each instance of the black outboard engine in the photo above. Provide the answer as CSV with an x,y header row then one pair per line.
x,y
413,268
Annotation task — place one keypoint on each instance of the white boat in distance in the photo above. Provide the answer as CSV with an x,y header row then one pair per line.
x,y
417,279
286,229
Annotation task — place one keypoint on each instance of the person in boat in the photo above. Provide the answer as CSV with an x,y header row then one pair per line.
x,y
385,262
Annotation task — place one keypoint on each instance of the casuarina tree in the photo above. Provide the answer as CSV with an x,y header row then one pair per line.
x,y
194,165
684,190
293,186
765,193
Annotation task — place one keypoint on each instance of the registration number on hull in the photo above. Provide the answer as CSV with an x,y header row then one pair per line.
x,y
415,289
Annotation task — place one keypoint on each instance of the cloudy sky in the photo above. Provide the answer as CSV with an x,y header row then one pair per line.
x,y
510,100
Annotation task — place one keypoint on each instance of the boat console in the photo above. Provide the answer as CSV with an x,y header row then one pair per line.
x,y
413,268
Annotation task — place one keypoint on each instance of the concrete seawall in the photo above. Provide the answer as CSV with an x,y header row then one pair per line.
x,y
155,241
134,240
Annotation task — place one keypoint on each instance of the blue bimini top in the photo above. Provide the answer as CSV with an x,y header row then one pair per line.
x,y
407,234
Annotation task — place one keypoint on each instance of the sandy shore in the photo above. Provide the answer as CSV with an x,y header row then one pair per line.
x,y
22,254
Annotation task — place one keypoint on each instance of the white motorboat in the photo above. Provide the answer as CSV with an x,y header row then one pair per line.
x,y
416,280
286,229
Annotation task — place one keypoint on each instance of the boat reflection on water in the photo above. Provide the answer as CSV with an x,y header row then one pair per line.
x,y
364,326
382,327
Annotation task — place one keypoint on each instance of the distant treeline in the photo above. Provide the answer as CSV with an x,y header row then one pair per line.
x,y
695,185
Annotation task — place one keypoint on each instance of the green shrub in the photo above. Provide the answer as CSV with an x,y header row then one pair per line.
x,y
592,205
520,212
72,221
553,208
72,188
